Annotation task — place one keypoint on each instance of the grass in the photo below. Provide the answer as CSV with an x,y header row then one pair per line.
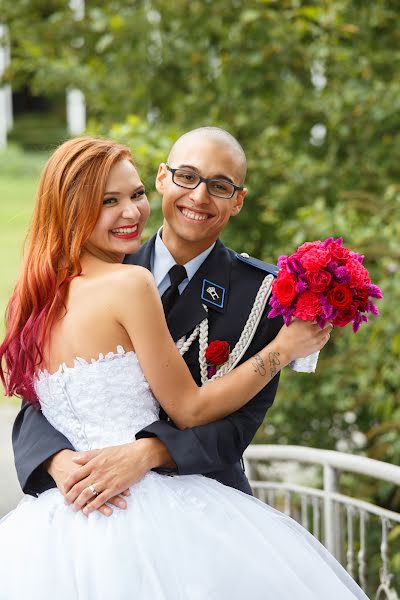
x,y
19,174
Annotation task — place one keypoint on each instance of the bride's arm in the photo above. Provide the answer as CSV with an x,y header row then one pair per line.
x,y
167,373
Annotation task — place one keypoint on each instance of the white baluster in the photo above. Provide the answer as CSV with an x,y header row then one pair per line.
x,y
316,517
287,503
362,554
304,507
272,498
350,541
330,486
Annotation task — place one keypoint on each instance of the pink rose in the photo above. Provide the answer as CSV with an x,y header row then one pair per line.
x,y
315,259
308,306
359,274
318,281
306,247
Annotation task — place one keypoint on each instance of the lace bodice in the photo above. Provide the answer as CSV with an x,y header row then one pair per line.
x,y
99,403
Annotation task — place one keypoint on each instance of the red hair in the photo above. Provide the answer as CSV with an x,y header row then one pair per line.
x,y
67,206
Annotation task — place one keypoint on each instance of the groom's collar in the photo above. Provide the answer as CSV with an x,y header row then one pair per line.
x,y
162,261
143,256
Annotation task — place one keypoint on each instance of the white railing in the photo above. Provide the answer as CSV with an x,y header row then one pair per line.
x,y
355,531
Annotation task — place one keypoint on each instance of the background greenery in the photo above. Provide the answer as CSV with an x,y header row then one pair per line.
x,y
312,91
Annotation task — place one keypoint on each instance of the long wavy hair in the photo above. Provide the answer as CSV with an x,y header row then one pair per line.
x,y
67,206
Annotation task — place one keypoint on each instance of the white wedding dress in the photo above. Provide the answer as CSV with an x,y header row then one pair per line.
x,y
181,538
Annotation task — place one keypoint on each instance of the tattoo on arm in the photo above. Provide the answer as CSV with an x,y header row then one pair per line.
x,y
258,365
274,363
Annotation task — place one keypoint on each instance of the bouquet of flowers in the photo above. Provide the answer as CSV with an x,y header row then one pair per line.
x,y
323,281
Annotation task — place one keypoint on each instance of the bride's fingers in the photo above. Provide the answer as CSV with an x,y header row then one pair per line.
x,y
105,510
118,501
82,458
97,502
76,491
85,497
76,477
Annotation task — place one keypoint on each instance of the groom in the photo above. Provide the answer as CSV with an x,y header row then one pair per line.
x,y
201,188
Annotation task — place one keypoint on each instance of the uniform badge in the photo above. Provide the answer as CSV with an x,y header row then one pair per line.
x,y
212,293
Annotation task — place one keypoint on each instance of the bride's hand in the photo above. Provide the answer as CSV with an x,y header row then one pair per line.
x,y
302,338
62,465
111,471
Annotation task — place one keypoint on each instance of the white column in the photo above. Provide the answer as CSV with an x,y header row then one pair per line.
x,y
6,118
3,120
76,106
76,112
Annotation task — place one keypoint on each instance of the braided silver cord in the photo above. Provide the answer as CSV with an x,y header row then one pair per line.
x,y
184,344
203,343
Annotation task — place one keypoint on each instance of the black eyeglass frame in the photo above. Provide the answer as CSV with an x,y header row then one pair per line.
x,y
236,188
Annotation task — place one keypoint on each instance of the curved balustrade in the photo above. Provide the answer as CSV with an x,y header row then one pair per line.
x,y
346,525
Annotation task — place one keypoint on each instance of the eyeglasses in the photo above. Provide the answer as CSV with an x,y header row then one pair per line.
x,y
221,188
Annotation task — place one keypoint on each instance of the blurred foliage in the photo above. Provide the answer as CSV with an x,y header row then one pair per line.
x,y
312,91
38,131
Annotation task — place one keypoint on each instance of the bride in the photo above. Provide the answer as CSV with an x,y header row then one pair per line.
x,y
99,367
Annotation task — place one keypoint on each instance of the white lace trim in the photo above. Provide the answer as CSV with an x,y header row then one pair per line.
x,y
82,362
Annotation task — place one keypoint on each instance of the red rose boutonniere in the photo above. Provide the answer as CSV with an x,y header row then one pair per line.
x,y
217,353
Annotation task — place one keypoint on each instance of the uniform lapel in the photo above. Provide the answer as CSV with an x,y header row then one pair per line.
x,y
188,310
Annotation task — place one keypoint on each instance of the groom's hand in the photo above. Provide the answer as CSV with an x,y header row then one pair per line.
x,y
63,465
111,471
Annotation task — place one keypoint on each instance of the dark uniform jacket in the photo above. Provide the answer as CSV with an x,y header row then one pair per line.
x,y
214,449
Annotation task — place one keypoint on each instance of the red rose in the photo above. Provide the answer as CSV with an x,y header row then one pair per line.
x,y
359,274
318,281
361,298
217,352
340,296
285,287
308,306
338,253
345,316
315,259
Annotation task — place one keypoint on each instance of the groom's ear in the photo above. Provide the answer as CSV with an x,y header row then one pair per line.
x,y
161,178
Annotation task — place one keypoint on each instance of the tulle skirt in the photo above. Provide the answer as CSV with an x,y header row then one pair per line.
x,y
181,538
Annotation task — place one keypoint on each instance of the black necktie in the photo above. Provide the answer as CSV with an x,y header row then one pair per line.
x,y
177,274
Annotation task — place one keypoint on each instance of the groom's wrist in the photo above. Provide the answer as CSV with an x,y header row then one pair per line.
x,y
155,453
51,465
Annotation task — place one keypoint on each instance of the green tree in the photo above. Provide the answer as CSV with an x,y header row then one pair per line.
x,y
312,91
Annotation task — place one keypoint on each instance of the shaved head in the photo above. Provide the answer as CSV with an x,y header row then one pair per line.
x,y
217,136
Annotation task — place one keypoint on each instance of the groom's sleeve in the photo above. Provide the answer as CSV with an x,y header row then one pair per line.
x,y
34,441
217,445
213,447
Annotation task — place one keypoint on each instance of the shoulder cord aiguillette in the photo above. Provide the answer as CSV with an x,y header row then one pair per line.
x,y
244,341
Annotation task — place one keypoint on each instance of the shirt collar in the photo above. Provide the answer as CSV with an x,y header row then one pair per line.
x,y
163,260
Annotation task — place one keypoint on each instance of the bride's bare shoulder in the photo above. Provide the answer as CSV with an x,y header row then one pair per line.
x,y
128,278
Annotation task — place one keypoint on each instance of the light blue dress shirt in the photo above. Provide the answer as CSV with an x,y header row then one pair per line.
x,y
162,261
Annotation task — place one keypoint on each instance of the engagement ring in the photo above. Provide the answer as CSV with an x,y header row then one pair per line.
x,y
93,490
